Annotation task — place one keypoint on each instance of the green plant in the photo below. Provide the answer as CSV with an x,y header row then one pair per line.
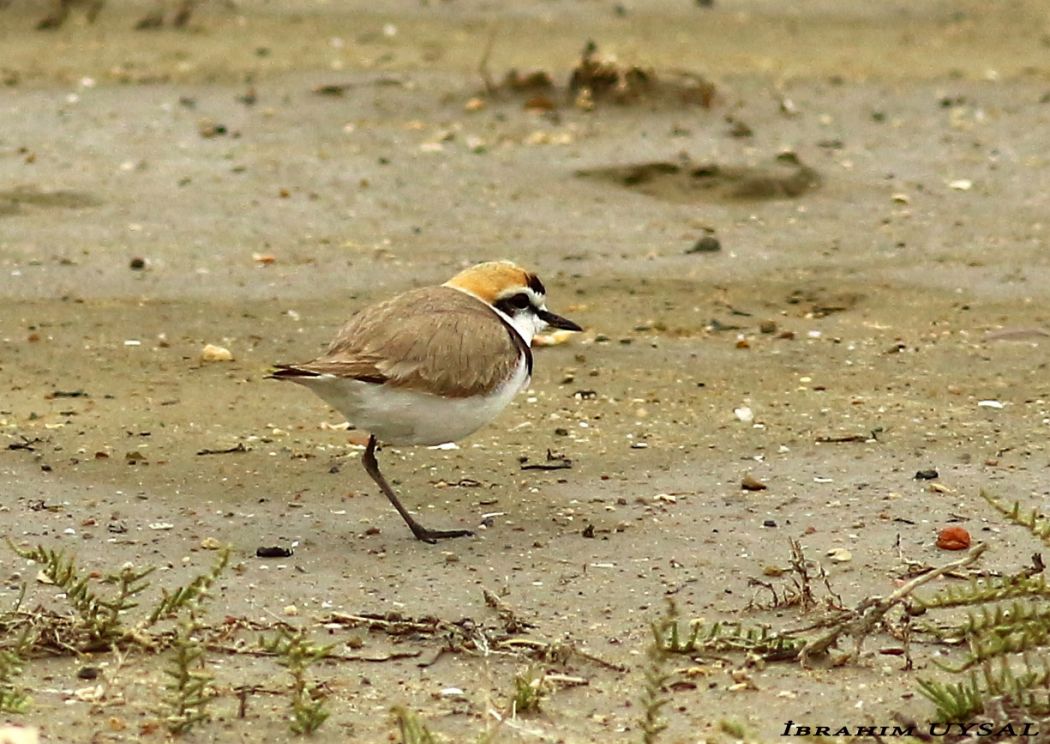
x,y
413,730
191,594
757,641
1006,630
189,688
296,654
529,691
733,728
100,617
656,674
13,698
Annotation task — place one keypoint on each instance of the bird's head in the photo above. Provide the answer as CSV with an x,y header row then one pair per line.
x,y
516,293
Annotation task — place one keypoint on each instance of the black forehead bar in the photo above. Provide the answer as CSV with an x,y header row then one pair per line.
x,y
536,285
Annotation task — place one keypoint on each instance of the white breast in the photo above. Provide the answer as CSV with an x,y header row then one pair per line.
x,y
398,416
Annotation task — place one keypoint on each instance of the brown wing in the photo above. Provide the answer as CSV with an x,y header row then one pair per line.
x,y
436,339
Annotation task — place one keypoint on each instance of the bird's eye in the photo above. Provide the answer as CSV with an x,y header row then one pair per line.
x,y
520,301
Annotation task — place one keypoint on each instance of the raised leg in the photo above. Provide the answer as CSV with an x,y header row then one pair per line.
x,y
421,532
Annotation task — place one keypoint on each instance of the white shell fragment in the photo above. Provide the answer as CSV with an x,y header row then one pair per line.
x,y
745,414
840,555
990,404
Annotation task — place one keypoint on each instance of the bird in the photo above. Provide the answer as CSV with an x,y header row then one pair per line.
x,y
432,365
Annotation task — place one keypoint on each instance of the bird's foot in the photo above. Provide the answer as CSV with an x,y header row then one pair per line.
x,y
432,536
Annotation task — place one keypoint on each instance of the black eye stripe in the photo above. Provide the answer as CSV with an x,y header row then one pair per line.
x,y
515,303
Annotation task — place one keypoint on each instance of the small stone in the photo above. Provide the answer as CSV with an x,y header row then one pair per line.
x,y
273,552
208,128
744,414
291,611
213,353
552,338
749,483
961,184
739,129
953,538
706,244
929,474
210,543
767,326
137,264
769,523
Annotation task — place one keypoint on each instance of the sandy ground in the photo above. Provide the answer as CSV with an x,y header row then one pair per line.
x,y
901,290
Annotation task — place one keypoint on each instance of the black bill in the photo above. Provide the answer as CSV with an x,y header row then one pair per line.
x,y
556,321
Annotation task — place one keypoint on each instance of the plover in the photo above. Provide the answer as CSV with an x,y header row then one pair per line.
x,y
432,365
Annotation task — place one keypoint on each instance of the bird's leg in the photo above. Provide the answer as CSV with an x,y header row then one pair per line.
x,y
421,532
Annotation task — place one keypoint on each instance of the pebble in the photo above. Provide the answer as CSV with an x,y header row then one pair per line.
x,y
745,414
208,128
213,353
706,244
953,538
273,552
750,483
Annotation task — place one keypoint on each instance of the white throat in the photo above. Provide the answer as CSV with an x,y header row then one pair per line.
x,y
527,325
